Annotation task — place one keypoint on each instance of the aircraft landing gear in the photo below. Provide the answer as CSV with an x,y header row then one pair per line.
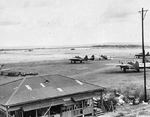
x,y
124,69
138,70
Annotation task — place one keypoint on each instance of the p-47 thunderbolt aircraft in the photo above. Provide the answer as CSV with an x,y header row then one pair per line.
x,y
133,65
77,59
140,55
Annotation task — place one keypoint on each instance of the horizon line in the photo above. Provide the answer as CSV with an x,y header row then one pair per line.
x,y
71,46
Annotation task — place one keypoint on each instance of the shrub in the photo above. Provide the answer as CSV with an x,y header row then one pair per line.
x,y
133,90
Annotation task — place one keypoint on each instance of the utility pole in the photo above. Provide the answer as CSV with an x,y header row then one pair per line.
x,y
143,16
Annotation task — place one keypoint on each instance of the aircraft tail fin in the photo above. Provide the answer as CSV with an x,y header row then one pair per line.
x,y
1,66
136,65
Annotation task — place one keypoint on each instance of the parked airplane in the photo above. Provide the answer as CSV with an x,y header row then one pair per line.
x,y
104,57
77,59
140,55
133,65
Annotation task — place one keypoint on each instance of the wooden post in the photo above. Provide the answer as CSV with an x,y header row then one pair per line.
x,y
22,113
93,107
102,102
145,93
7,113
36,113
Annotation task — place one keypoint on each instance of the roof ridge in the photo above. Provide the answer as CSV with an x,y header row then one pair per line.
x,y
15,91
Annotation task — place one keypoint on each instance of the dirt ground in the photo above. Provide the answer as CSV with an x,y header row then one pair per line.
x,y
103,73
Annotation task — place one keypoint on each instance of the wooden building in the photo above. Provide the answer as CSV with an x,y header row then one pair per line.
x,y
49,96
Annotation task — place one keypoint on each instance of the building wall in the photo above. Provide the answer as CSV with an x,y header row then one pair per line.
x,y
82,106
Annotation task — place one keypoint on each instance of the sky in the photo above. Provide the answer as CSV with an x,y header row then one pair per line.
x,y
71,22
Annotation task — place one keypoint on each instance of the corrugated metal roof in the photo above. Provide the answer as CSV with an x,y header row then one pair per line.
x,y
40,88
7,89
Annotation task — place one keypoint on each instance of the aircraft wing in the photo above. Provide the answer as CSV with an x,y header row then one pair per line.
x,y
4,70
125,66
76,59
119,65
141,65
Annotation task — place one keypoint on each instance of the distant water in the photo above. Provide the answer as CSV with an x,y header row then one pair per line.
x,y
28,55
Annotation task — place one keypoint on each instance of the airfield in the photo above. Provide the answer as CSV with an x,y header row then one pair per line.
x,y
103,73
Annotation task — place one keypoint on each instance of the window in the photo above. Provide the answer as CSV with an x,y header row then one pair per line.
x,y
42,111
28,87
78,112
59,89
87,103
79,82
42,85
88,115
78,105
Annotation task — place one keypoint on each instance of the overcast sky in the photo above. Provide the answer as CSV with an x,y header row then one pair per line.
x,y
71,22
